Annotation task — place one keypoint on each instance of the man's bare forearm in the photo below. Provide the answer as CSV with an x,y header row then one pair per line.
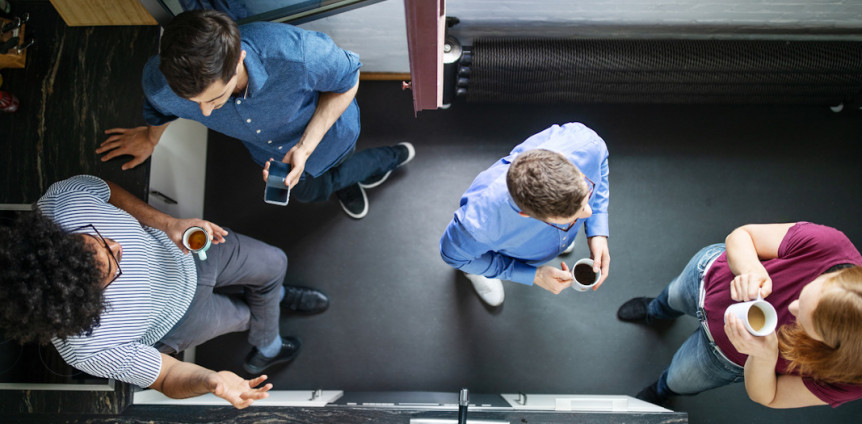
x,y
330,106
180,380
137,208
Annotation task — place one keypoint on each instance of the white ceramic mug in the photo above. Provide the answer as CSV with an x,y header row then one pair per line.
x,y
201,251
584,286
758,315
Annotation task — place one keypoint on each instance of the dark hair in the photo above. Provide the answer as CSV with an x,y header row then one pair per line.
x,y
198,48
49,281
544,184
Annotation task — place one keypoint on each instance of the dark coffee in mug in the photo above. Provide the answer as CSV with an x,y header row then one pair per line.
x,y
197,240
584,274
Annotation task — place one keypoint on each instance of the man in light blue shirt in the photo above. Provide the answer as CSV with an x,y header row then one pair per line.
x,y
286,93
527,208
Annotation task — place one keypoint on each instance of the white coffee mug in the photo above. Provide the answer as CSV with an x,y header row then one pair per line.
x,y
584,286
200,247
758,315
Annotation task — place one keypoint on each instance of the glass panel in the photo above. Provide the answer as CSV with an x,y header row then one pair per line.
x,y
291,11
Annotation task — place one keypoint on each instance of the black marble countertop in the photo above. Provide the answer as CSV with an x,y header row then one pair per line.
x,y
77,83
345,415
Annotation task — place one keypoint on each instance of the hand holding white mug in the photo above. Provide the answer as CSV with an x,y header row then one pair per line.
x,y
748,286
552,279
747,344
757,316
177,227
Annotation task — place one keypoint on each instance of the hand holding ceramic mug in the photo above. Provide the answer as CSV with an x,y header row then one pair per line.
x,y
553,279
747,344
750,286
757,316
177,228
197,240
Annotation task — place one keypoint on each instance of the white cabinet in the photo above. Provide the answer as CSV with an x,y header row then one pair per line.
x,y
178,170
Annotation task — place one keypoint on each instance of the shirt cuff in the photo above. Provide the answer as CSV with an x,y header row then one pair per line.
x,y
523,273
597,225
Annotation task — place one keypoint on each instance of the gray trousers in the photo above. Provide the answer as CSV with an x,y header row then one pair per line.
x,y
251,269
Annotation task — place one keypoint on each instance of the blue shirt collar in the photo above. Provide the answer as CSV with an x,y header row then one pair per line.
x,y
257,74
511,202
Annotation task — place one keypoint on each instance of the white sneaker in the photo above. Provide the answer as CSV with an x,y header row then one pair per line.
x,y
569,249
490,290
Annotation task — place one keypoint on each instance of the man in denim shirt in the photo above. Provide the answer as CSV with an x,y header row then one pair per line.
x,y
286,93
527,208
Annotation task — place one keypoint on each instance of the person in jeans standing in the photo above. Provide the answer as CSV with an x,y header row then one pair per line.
x,y
811,274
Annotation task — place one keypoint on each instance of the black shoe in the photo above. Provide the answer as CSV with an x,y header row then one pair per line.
x,y
255,363
635,310
650,394
304,300
405,153
353,200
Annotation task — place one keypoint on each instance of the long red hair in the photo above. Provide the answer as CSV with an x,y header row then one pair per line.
x,y
838,319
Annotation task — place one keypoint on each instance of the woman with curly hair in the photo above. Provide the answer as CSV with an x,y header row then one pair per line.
x,y
810,273
106,278
51,286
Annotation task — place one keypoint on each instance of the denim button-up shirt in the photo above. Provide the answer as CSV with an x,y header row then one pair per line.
x,y
287,69
488,237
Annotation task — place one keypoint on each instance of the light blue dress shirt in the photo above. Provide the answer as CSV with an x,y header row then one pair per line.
x,y
287,69
488,237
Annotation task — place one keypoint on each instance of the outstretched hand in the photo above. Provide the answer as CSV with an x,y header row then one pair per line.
x,y
239,392
136,142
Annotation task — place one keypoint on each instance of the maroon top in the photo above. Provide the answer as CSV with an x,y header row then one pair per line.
x,y
807,251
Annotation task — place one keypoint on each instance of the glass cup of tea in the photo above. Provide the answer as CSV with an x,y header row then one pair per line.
x,y
585,277
197,240
758,315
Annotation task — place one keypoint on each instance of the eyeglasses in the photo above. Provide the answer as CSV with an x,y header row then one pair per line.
x,y
99,237
591,185
566,229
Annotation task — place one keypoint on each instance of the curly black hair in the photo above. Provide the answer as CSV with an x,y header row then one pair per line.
x,y
49,282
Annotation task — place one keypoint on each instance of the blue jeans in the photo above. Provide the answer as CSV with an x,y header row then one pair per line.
x,y
354,168
252,269
697,365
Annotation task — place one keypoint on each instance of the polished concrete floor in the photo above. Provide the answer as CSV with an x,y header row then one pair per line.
x,y
681,177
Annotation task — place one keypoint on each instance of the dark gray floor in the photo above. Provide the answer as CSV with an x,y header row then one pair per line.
x,y
401,319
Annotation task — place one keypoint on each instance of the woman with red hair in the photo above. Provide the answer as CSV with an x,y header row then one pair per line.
x,y
810,273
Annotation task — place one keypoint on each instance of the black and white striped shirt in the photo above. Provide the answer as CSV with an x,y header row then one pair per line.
x,y
143,304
